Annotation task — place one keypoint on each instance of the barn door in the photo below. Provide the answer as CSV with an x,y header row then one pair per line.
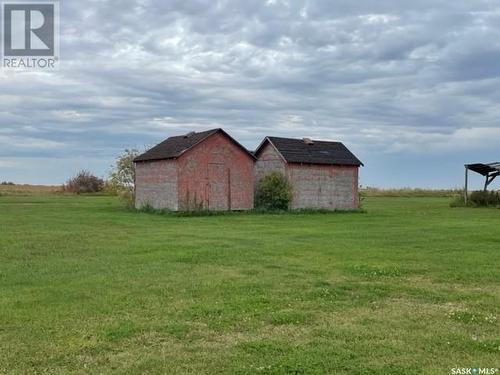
x,y
219,192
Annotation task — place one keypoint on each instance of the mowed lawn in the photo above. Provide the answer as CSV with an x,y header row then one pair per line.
x,y
410,287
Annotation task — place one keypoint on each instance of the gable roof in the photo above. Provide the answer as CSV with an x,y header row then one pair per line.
x,y
174,147
311,152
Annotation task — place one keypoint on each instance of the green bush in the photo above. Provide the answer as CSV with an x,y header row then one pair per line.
x,y
458,201
122,174
122,177
478,199
127,197
485,199
273,193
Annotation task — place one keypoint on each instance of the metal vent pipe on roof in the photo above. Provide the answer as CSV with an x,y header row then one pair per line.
x,y
308,141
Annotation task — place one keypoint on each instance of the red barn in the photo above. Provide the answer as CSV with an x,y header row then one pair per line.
x,y
207,170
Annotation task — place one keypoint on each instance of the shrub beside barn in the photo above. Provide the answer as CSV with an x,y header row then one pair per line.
x,y
212,171
323,175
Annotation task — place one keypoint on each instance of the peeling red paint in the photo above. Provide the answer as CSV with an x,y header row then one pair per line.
x,y
214,175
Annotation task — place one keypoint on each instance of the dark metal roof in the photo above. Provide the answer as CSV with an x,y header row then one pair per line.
x,y
484,169
312,152
174,147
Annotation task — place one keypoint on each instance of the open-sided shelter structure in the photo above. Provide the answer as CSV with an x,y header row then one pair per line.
x,y
489,171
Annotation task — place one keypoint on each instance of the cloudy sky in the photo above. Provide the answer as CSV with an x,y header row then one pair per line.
x,y
412,87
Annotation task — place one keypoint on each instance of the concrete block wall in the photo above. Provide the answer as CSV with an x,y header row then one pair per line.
x,y
269,161
156,184
324,187
314,186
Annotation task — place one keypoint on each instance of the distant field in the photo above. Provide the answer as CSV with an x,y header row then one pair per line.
x,y
410,192
410,287
28,189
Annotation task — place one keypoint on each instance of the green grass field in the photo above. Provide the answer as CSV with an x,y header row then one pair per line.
x,y
410,287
